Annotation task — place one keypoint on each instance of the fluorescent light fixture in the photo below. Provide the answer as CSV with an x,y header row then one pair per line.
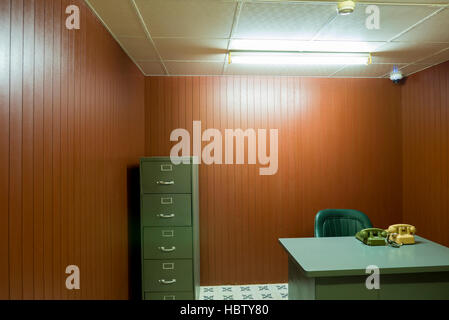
x,y
297,45
302,58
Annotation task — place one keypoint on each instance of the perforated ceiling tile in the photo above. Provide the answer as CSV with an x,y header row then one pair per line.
x,y
197,30
151,67
192,49
120,17
413,68
440,57
194,68
139,48
435,29
370,71
283,20
405,52
191,18
283,70
393,20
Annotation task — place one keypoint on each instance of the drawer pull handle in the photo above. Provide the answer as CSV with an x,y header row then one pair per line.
x,y
166,167
166,200
166,216
163,249
165,183
163,281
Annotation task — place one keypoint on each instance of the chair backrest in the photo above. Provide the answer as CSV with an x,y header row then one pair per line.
x,y
340,223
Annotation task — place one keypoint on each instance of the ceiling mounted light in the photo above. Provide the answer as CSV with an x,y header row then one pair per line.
x,y
301,58
303,46
396,75
345,7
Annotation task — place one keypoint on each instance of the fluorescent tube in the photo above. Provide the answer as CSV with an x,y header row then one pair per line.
x,y
304,58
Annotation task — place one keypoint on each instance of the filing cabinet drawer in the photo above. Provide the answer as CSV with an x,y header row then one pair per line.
x,y
167,275
167,243
164,177
160,210
169,296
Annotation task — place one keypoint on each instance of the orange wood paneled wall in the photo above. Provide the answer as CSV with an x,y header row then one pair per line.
x,y
71,123
340,147
425,100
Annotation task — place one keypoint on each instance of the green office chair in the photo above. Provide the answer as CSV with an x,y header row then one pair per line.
x,y
340,223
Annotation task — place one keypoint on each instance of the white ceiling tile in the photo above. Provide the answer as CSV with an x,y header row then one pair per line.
x,y
405,52
151,67
196,30
192,18
283,70
372,70
192,49
435,29
120,17
440,57
393,21
139,48
283,20
194,68
410,69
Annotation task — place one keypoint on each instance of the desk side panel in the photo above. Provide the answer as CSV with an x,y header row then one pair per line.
x,y
300,287
344,288
416,286
413,286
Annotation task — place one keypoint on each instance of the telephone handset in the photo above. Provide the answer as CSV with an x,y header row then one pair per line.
x,y
372,236
401,234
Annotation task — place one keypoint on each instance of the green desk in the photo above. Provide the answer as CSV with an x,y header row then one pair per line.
x,y
335,268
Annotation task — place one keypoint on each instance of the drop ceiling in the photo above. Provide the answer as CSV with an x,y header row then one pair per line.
x,y
192,37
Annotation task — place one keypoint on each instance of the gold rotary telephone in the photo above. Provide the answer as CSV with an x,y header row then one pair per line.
x,y
401,234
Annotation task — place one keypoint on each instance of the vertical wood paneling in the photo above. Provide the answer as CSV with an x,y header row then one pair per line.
x,y
425,109
88,199
28,152
57,278
71,127
65,71
340,147
48,150
38,152
15,152
5,54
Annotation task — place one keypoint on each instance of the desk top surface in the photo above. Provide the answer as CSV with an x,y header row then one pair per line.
x,y
344,256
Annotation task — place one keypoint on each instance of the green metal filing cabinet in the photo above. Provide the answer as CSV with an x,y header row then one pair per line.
x,y
169,229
